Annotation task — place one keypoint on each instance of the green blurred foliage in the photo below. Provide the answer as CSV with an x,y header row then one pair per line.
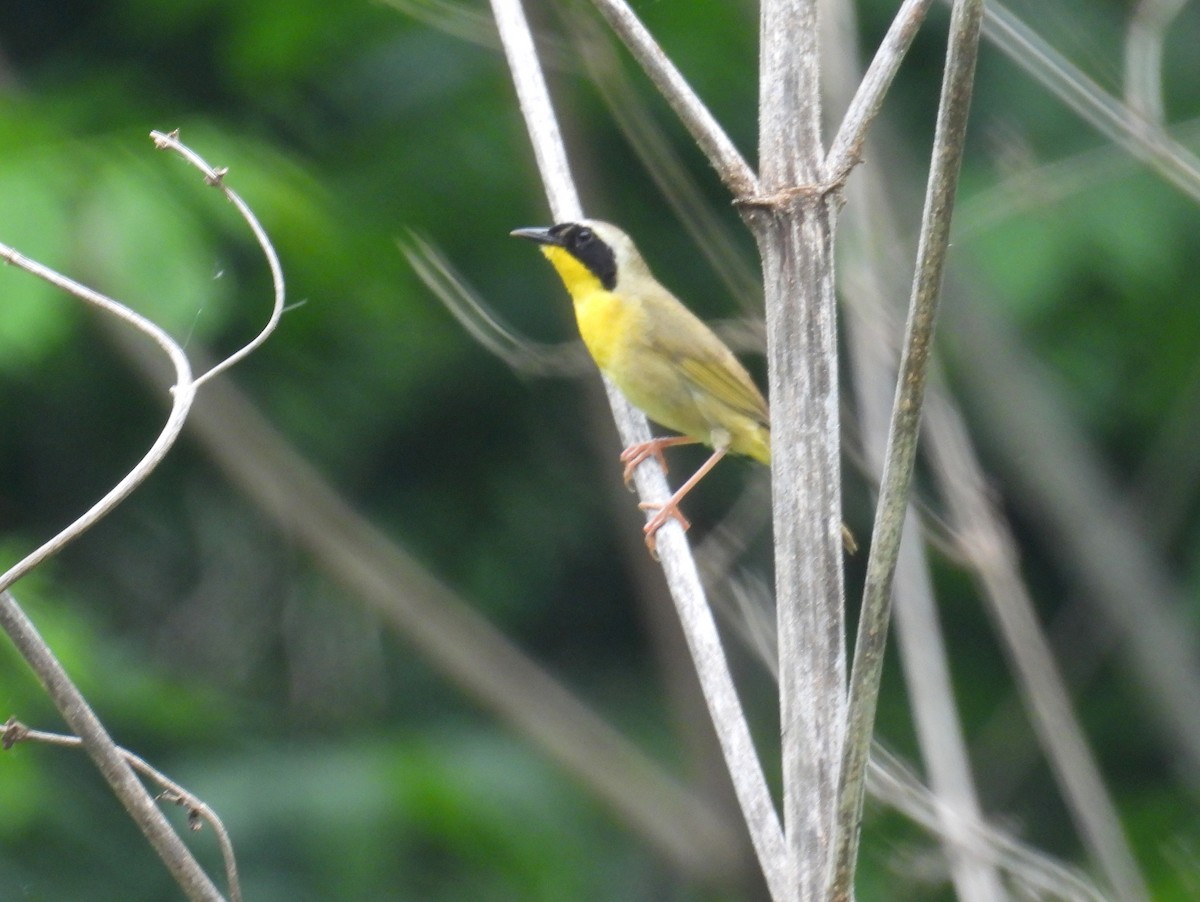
x,y
345,767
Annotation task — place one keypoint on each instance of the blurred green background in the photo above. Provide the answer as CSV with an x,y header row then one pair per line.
x,y
217,645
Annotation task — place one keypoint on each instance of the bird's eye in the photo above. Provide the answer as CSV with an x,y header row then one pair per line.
x,y
583,237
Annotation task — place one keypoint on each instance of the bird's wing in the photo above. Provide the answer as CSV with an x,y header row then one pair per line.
x,y
732,388
710,368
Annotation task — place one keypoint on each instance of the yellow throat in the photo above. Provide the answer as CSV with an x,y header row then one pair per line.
x,y
600,314
580,280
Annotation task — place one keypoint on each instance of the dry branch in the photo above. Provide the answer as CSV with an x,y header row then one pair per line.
x,y
792,222
112,765
871,279
948,143
699,626
734,171
199,812
109,758
216,178
846,150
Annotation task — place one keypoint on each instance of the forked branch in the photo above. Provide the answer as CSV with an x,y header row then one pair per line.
x,y
113,762
199,812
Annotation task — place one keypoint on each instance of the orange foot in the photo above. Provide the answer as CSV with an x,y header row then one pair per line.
x,y
636,454
667,511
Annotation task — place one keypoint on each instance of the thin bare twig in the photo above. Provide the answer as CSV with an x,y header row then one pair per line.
x,y
846,149
125,785
597,50
216,178
732,168
24,635
534,99
13,732
871,278
678,565
949,140
1150,144
990,549
182,394
893,783
1143,56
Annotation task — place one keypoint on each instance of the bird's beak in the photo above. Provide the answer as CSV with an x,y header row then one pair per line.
x,y
541,236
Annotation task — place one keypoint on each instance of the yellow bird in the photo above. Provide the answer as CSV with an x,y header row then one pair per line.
x,y
661,356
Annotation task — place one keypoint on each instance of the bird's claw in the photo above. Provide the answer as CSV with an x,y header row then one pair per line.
x,y
665,512
634,455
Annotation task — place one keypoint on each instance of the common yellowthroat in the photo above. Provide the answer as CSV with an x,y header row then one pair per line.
x,y
661,356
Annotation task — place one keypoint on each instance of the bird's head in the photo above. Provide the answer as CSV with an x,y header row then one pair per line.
x,y
589,255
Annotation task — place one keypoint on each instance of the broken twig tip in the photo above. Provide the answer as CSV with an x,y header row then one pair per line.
x,y
165,141
14,732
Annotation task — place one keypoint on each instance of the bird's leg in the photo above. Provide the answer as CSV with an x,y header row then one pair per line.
x,y
635,454
669,509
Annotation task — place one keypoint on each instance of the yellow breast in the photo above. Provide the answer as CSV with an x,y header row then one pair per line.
x,y
603,318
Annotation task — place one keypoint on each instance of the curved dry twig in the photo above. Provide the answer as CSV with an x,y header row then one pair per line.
x,y
66,696
216,178
184,390
199,812
183,393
